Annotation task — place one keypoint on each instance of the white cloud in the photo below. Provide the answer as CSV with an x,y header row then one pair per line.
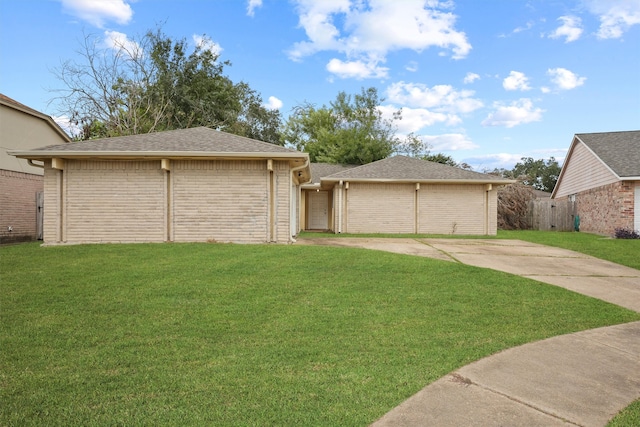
x,y
449,142
442,98
516,81
616,16
527,27
565,79
490,162
356,69
206,43
252,5
66,125
470,78
571,29
122,45
414,119
98,12
517,113
273,104
412,66
371,28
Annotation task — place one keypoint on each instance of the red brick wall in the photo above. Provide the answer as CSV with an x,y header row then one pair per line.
x,y
606,208
18,205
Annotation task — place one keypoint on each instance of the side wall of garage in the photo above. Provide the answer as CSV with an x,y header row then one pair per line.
x,y
415,208
379,208
453,209
154,201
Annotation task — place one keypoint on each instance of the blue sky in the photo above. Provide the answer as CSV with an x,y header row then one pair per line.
x,y
486,82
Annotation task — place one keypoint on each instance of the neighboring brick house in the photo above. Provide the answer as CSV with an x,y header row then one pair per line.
x,y
401,195
22,128
186,185
601,174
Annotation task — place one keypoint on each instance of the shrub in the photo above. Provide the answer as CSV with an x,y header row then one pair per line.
x,y
625,233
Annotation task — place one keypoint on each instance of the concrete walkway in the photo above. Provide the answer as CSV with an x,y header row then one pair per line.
x,y
580,379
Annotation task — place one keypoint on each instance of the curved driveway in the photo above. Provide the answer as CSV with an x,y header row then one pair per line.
x,y
580,379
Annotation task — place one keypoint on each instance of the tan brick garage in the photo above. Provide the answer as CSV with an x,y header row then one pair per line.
x,y
407,195
187,185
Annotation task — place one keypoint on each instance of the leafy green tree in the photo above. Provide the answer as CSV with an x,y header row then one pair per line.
x,y
540,174
351,130
414,146
157,83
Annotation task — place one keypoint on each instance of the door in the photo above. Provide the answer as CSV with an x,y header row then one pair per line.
x,y
318,210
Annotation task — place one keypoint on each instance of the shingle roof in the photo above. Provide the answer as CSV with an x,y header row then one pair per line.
x,y
319,170
200,139
618,150
402,168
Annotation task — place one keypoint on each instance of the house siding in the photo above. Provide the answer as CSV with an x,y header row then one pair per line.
x,y
457,209
113,201
192,201
605,208
220,201
18,202
379,208
412,208
583,171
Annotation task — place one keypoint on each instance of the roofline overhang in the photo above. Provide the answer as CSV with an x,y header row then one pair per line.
x,y
630,178
422,181
156,155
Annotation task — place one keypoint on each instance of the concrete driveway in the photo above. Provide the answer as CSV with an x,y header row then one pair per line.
x,y
580,379
571,270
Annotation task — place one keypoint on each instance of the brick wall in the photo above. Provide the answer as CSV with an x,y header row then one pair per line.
x,y
455,209
197,200
18,205
441,209
605,208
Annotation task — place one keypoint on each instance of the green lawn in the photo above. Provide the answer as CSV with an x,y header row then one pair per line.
x,y
213,334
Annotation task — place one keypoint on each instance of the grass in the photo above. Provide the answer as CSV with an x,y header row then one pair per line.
x,y
629,417
216,334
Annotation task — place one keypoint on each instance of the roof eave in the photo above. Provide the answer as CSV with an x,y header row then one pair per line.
x,y
155,155
423,181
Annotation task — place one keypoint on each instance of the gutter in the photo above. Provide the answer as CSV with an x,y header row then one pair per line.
x,y
425,181
154,155
35,165
292,209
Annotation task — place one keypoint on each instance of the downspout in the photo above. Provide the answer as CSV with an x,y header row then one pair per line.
x,y
487,199
339,228
35,165
293,211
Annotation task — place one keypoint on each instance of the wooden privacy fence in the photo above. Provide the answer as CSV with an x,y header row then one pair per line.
x,y
551,214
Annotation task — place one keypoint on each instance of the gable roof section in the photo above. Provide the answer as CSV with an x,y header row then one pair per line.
x,y
620,151
617,152
194,143
12,103
319,170
408,169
